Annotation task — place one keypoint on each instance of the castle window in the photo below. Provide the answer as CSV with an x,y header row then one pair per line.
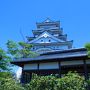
x,y
33,48
55,34
41,40
49,40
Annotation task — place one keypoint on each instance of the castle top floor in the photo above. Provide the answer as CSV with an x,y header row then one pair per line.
x,y
48,24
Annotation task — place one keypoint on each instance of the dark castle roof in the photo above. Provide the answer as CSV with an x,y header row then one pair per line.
x,y
48,21
80,53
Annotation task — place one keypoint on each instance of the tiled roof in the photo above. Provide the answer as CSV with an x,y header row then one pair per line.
x,y
58,55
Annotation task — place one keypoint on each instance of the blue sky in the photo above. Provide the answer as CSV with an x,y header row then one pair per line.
x,y
23,14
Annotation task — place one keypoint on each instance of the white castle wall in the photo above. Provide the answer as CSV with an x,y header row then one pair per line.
x,y
76,62
88,61
49,65
45,40
53,65
30,66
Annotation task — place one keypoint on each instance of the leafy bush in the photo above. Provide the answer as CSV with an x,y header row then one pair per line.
x,y
87,46
71,81
42,83
8,83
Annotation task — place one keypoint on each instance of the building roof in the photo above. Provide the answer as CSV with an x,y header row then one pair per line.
x,y
46,35
71,54
48,22
50,30
62,37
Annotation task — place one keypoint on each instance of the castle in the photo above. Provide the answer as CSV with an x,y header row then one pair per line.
x,y
56,53
49,37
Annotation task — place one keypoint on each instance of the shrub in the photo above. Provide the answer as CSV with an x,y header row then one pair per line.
x,y
71,81
8,83
42,83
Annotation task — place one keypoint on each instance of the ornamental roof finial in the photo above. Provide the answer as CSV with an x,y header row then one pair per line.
x,y
48,20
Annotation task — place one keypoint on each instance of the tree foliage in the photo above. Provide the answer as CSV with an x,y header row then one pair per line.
x,y
87,46
4,60
20,49
71,81
5,75
42,83
7,82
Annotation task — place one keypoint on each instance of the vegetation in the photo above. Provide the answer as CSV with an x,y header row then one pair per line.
x,y
20,49
87,46
42,83
7,82
14,50
4,60
71,81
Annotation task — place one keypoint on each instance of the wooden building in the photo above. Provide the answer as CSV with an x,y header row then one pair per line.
x,y
58,62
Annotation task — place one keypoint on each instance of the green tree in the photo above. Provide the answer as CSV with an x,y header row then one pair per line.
x,y
5,75
8,83
71,81
87,46
20,49
4,60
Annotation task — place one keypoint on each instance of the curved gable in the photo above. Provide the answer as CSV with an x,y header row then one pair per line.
x,y
45,38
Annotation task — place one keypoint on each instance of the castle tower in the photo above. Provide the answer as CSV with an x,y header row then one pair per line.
x,y
49,37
